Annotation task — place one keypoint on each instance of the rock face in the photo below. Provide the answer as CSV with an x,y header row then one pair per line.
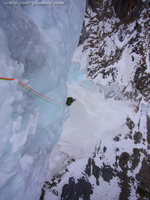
x,y
129,10
116,34
143,178
148,130
73,190
103,27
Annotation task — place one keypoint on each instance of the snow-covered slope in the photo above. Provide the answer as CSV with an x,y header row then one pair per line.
x,y
103,152
36,47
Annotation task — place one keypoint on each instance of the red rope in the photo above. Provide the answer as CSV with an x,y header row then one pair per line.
x,y
11,79
40,94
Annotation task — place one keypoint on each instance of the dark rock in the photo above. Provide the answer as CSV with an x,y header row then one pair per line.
x,y
116,139
128,136
125,180
117,149
84,34
138,27
95,3
107,173
142,81
137,137
117,158
55,192
42,194
122,34
66,170
92,169
143,194
73,191
102,52
128,10
95,171
104,149
130,123
143,178
148,129
88,167
124,185
102,66
135,157
98,6
123,161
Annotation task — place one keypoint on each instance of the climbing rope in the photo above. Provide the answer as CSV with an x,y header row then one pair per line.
x,y
33,92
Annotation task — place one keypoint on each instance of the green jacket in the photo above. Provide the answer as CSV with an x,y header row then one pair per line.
x,y
69,101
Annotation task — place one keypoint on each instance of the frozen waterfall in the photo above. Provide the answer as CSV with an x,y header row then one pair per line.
x,y
36,47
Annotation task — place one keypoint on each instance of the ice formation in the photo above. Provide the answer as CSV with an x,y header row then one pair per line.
x,y
36,47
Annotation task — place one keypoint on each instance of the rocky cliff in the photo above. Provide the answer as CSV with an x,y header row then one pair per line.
x,y
116,37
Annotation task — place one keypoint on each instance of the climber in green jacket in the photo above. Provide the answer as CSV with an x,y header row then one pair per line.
x,y
69,101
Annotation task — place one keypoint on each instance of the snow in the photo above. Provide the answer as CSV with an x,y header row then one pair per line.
x,y
36,47
106,191
90,114
94,120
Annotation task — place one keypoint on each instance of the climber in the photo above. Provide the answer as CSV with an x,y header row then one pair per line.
x,y
69,101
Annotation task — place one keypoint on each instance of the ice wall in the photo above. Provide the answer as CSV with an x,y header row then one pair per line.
x,y
36,47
